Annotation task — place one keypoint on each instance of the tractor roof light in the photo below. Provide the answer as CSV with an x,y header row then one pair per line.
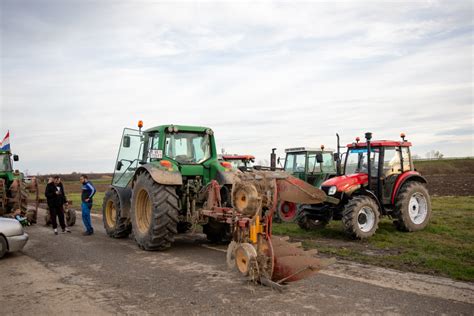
x,y
357,139
322,147
175,129
402,135
140,124
368,136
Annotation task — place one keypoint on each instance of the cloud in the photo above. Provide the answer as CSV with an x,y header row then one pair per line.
x,y
272,74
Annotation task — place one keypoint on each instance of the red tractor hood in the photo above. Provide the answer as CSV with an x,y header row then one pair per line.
x,y
344,183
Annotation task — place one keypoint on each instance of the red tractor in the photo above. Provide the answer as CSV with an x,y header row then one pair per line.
x,y
378,179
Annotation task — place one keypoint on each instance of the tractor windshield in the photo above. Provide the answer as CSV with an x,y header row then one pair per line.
x,y
356,161
328,163
295,162
5,164
188,147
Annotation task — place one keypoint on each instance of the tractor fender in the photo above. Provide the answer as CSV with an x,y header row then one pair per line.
x,y
403,178
225,177
373,196
160,176
125,197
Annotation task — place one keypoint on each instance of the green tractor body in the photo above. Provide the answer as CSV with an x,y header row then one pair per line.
x,y
171,165
15,192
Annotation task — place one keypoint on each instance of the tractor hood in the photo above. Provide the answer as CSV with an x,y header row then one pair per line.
x,y
346,183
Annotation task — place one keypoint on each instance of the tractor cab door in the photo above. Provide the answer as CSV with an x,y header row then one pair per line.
x,y
130,153
392,168
314,175
295,164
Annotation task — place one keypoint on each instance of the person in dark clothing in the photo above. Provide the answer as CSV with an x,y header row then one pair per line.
x,y
88,191
56,198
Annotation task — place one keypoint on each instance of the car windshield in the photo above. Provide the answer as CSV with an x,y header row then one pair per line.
x,y
295,162
5,164
356,161
188,147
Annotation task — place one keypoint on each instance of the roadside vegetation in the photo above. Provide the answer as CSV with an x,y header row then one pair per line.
x,y
445,247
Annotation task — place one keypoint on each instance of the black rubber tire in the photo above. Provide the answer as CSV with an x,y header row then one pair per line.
x,y
164,214
122,227
403,221
350,216
217,232
306,223
3,246
70,217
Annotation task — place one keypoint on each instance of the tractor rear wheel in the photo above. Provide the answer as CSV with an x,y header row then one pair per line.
x,y
413,207
306,223
287,211
154,213
115,225
217,232
361,217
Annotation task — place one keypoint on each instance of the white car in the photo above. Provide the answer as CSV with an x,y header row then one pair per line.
x,y
12,236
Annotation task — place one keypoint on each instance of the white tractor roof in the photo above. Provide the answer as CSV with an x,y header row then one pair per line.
x,y
299,149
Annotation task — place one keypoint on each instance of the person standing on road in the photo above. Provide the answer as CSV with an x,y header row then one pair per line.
x,y
56,198
88,191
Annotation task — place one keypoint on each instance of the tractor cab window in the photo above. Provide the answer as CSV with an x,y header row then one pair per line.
x,y
391,162
188,148
5,164
328,163
313,165
356,161
295,162
407,162
154,151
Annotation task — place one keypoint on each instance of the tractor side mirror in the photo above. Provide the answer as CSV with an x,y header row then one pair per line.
x,y
126,141
119,165
336,157
16,158
278,160
319,157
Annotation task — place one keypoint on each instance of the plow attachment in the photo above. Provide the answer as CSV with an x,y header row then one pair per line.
x,y
258,255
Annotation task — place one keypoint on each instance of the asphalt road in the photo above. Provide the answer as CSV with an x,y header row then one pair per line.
x,y
95,275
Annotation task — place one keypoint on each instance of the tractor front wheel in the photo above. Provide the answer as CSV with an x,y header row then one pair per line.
x,y
154,213
361,217
412,208
115,225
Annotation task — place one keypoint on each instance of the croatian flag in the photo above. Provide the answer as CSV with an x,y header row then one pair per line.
x,y
5,143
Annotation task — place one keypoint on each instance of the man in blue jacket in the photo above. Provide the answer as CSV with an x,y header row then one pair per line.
x,y
88,191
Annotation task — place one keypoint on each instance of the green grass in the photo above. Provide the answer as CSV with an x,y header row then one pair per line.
x,y
97,201
445,247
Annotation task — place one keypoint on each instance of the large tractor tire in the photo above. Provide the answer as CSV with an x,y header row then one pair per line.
x,y
154,213
115,224
287,211
217,232
361,217
306,223
3,246
412,207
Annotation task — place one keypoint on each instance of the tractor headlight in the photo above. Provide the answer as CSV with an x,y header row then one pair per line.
x,y
332,190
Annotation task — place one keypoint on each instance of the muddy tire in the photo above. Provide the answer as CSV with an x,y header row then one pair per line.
x,y
413,207
361,217
70,217
154,213
217,232
287,211
311,224
115,225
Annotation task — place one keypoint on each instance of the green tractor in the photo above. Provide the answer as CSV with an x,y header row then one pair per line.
x,y
16,191
312,165
161,179
168,180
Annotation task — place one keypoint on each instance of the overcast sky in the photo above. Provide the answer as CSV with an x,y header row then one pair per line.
x,y
74,73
